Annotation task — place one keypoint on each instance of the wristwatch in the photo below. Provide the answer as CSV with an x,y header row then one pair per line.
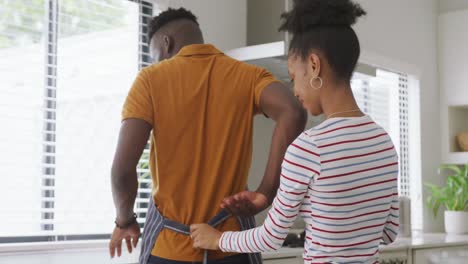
x,y
128,223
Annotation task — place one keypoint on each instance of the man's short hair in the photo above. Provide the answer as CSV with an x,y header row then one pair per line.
x,y
168,16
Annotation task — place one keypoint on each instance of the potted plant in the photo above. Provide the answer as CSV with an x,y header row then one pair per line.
x,y
454,197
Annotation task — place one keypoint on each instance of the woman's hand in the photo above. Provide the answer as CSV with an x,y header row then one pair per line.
x,y
204,236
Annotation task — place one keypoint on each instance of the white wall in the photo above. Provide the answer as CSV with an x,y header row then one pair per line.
x,y
453,58
223,22
407,31
452,5
263,23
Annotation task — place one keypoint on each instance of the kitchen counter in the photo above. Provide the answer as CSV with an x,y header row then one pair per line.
x,y
283,253
96,251
418,241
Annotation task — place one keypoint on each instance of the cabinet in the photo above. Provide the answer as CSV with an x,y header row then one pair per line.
x,y
422,248
447,255
395,257
453,57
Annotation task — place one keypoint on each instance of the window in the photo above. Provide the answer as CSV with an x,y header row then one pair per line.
x,y
383,95
21,105
391,99
66,69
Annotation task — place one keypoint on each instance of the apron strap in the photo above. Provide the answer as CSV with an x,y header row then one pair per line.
x,y
155,222
222,216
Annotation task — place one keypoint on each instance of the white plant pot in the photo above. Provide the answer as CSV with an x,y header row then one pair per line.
x,y
456,222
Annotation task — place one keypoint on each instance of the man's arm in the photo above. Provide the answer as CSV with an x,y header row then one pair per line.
x,y
278,103
133,138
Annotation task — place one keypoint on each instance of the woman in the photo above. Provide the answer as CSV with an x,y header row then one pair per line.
x,y
341,176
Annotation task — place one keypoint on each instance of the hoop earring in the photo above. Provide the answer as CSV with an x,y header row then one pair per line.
x,y
311,83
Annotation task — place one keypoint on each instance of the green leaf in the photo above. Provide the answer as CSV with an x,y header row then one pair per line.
x,y
435,209
453,168
454,195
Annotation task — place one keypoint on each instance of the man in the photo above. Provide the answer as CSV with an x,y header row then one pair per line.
x,y
199,105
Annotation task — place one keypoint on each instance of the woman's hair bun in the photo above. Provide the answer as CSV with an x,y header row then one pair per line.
x,y
309,14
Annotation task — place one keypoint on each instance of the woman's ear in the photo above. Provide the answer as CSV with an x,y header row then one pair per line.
x,y
314,64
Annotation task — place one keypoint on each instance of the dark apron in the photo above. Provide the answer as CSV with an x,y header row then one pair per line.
x,y
155,222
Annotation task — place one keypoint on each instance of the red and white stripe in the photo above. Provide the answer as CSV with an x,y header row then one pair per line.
x,y
341,178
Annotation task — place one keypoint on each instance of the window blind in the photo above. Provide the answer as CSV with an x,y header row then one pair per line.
x,y
22,75
64,113
384,97
142,201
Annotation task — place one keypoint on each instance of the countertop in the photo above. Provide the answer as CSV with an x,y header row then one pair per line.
x,y
96,251
417,241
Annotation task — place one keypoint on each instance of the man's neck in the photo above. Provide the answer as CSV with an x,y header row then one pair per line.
x,y
187,43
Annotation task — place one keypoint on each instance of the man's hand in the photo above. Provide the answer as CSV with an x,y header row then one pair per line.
x,y
204,236
129,234
245,203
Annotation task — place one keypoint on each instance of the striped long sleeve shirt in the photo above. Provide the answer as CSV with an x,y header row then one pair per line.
x,y
341,179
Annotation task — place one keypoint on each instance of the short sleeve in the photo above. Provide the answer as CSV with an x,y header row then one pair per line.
x,y
139,103
262,80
